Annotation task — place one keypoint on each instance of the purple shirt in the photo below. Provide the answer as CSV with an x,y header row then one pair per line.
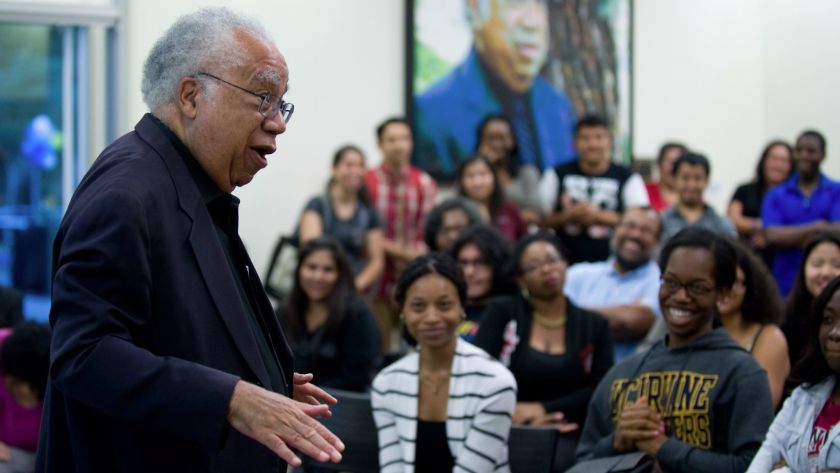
x,y
18,425
786,205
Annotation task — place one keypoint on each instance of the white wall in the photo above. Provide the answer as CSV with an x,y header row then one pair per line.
x,y
727,77
346,75
724,76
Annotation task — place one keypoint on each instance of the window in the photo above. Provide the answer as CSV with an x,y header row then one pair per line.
x,y
45,101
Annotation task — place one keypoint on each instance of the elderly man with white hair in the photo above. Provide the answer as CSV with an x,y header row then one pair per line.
x,y
165,353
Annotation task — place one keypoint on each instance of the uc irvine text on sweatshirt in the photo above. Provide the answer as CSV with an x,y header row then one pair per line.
x,y
713,395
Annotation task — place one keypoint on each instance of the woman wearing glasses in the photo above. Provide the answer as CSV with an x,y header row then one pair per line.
x,y
695,401
484,256
558,352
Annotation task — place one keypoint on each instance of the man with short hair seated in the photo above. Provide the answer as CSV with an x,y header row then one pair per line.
x,y
691,177
625,288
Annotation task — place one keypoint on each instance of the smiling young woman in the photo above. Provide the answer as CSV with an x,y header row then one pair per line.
x,y
696,401
804,436
449,397
330,329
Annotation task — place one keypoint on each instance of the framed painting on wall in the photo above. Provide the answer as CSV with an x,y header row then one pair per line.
x,y
542,64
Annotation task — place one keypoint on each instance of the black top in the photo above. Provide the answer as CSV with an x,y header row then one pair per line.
x,y
591,243
344,358
431,453
224,210
750,196
469,326
562,383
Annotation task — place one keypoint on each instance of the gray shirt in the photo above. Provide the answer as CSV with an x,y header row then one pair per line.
x,y
673,222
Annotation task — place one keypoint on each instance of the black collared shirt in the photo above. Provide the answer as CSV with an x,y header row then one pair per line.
x,y
224,210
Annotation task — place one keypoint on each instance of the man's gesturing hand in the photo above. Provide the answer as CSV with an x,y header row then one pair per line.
x,y
282,424
308,393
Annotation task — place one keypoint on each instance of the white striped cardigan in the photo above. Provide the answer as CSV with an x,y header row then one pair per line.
x,y
482,396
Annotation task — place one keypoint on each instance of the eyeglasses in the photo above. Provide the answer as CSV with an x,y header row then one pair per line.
x,y
270,105
694,289
473,262
531,267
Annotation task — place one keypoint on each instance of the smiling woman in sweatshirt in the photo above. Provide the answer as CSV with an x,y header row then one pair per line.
x,y
696,401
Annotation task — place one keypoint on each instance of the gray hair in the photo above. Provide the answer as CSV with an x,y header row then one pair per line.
x,y
199,41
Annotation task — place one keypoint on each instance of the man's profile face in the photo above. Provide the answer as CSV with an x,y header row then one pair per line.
x,y
511,36
593,144
396,144
228,136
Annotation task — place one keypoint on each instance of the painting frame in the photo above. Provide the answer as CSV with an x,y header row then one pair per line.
x,y
605,91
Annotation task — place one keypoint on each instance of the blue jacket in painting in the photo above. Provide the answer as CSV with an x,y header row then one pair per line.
x,y
449,112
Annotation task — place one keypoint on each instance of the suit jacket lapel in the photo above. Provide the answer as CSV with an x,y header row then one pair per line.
x,y
211,258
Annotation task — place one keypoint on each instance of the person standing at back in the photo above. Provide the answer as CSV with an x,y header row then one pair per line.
x,y
796,209
584,199
403,195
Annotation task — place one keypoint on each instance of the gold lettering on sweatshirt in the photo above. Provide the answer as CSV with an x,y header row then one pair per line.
x,y
682,397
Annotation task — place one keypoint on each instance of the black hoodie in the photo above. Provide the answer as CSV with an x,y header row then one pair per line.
x,y
714,396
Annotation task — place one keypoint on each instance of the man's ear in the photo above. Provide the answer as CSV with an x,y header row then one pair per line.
x,y
188,90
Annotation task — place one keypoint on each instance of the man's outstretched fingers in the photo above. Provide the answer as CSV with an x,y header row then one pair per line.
x,y
279,447
311,438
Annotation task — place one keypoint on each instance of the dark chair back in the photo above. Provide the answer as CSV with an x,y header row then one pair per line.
x,y
280,275
352,422
531,449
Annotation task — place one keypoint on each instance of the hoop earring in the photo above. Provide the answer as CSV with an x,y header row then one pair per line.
x,y
526,294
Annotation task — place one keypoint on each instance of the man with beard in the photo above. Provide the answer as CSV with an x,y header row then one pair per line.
x,y
625,288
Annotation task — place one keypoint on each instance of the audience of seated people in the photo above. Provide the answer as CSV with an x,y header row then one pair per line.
x,y
557,351
802,205
820,264
685,390
329,327
751,314
447,406
803,436
584,198
696,401
483,255
477,181
24,365
403,195
344,213
661,191
625,288
497,142
773,168
447,221
691,176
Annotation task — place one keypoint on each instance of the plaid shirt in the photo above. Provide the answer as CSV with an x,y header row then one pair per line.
x,y
403,202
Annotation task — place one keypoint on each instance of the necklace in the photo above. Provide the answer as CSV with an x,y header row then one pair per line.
x,y
549,322
435,386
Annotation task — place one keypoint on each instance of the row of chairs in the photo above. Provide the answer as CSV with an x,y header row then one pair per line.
x,y
531,449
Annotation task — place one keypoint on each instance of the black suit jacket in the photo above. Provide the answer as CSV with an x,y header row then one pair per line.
x,y
149,330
